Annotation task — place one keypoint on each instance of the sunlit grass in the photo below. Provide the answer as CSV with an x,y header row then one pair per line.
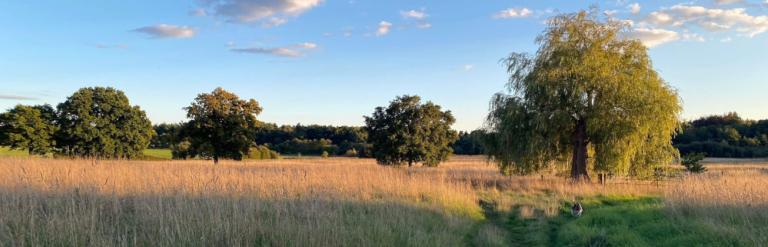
x,y
354,202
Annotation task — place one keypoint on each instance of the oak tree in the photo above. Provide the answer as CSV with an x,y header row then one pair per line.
x,y
410,132
221,125
100,122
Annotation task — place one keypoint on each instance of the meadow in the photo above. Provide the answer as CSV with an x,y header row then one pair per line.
x,y
355,202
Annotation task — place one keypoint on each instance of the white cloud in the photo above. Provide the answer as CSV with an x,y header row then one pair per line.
x,y
726,40
654,37
16,97
308,45
710,19
468,67
384,28
249,11
414,14
513,13
726,2
285,51
418,18
273,22
634,8
167,31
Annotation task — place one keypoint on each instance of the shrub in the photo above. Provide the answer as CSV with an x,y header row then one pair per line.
x,y
351,152
692,162
324,154
262,153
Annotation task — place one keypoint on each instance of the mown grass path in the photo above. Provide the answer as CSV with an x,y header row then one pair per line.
x,y
607,221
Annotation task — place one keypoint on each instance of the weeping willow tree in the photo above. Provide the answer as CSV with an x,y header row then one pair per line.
x,y
588,91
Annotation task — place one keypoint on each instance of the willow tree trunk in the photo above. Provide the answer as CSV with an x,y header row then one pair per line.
x,y
579,160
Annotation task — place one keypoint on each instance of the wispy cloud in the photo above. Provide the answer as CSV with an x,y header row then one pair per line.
x,y
414,14
384,28
259,11
297,50
167,31
513,13
16,97
417,17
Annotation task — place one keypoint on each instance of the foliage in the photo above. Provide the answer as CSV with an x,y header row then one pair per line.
x,y
182,150
262,153
408,132
221,125
29,128
100,122
469,143
165,135
307,147
692,162
724,136
587,90
293,139
324,154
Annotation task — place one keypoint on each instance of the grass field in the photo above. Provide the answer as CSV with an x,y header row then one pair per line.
x,y
354,202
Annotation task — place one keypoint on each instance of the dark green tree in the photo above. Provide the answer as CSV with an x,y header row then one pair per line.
x,y
587,90
692,162
410,132
166,135
221,125
470,143
100,122
29,128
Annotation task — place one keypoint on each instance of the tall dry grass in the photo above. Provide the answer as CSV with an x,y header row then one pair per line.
x,y
327,202
332,202
731,201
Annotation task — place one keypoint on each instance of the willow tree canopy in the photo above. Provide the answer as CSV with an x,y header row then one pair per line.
x,y
587,90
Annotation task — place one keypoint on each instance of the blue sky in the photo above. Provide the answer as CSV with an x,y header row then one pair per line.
x,y
331,62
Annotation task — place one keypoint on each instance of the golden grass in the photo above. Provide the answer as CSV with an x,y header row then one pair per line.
x,y
732,201
316,202
284,202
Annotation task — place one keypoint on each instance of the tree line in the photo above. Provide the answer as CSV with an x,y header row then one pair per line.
x,y
99,122
286,139
726,135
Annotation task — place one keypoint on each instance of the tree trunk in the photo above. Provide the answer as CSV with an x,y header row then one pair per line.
x,y
579,160
215,159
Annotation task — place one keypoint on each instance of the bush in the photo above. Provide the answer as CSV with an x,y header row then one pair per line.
x,y
262,153
351,152
692,162
324,154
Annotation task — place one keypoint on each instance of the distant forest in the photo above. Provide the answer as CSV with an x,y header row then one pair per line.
x,y
316,139
727,136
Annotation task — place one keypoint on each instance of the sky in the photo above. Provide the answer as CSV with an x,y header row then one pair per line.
x,y
334,61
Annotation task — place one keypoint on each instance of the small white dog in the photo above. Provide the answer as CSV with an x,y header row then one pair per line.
x,y
576,210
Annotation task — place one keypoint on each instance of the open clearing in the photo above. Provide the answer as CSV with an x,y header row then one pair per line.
x,y
354,202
